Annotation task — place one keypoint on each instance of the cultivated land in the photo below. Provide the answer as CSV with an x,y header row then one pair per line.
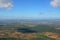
x,y
30,29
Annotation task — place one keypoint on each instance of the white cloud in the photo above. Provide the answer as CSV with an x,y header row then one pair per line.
x,y
55,3
6,4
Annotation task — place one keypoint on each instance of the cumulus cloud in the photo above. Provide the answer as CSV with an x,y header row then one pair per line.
x,y
55,3
6,4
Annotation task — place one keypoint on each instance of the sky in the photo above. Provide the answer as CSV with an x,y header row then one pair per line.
x,y
29,9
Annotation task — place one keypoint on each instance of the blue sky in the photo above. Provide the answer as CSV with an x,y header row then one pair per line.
x,y
30,9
